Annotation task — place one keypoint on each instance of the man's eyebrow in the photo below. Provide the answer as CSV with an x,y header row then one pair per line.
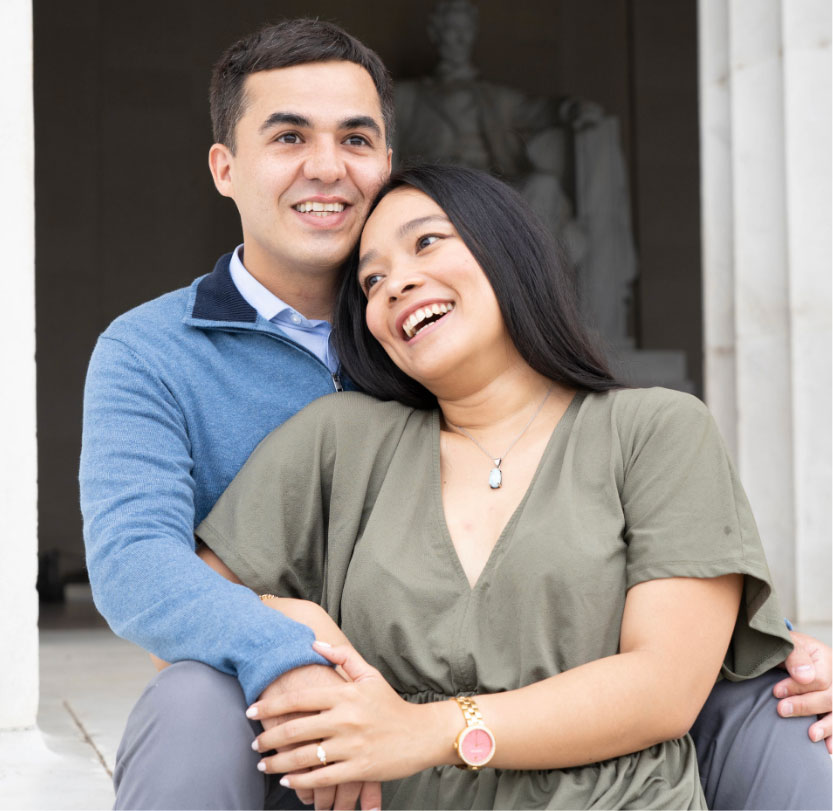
x,y
355,122
293,119
361,122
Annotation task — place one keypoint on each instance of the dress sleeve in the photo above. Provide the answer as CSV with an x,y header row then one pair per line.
x,y
686,515
287,523
270,525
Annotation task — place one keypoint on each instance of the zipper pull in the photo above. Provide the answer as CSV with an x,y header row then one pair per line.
x,y
337,382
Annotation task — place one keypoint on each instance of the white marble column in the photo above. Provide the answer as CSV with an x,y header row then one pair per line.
x,y
765,95
18,471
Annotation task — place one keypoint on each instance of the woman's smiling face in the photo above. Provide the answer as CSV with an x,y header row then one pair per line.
x,y
429,304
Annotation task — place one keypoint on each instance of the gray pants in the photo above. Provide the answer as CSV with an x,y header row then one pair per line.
x,y
187,745
750,757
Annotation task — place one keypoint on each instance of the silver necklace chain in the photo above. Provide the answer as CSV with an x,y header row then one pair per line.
x,y
496,474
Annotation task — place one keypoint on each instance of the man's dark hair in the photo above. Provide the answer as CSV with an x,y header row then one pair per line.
x,y
288,43
532,280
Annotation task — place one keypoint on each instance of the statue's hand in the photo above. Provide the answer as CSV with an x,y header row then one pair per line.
x,y
578,113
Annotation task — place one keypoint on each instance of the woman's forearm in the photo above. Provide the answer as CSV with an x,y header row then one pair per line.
x,y
603,709
674,636
312,615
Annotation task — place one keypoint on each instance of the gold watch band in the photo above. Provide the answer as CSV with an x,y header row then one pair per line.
x,y
470,712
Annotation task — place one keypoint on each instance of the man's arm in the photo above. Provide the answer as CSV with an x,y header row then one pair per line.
x,y
137,497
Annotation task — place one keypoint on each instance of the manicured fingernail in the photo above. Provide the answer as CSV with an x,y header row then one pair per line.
x,y
817,734
255,745
804,669
787,708
261,767
251,712
780,692
320,644
284,781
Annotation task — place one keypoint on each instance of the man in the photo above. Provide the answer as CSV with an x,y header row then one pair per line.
x,y
181,389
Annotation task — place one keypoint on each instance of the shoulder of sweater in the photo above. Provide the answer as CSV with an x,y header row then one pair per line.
x,y
163,314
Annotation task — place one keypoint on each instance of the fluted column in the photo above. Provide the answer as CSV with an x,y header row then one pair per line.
x,y
766,210
18,468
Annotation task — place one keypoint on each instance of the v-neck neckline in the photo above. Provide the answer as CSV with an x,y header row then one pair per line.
x,y
566,420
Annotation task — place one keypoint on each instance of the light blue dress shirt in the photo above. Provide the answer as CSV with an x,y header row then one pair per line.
x,y
312,334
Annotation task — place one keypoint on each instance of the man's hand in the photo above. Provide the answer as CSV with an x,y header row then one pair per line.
x,y
808,689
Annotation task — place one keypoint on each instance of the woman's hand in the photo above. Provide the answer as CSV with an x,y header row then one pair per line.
x,y
346,795
363,729
312,615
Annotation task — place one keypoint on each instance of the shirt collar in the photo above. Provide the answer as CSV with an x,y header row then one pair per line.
x,y
267,304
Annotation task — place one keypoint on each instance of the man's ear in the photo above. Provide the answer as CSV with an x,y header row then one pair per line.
x,y
390,160
219,162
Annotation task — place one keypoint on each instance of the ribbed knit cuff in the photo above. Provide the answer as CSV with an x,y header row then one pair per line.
x,y
258,673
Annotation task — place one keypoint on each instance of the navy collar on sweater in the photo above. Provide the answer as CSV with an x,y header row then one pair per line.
x,y
218,299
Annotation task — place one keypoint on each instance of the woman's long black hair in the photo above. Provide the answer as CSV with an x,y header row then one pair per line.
x,y
532,280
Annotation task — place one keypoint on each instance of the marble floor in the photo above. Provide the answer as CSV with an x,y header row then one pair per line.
x,y
89,680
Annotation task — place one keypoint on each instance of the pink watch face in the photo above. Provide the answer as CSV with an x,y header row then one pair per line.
x,y
476,746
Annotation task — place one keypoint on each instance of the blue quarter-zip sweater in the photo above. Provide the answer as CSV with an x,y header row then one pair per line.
x,y
179,392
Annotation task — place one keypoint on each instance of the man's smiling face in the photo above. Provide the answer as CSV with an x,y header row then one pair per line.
x,y
310,155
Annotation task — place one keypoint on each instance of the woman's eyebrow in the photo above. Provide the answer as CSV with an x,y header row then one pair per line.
x,y
412,225
403,231
368,257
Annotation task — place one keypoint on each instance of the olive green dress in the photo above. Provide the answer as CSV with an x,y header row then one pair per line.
x,y
342,505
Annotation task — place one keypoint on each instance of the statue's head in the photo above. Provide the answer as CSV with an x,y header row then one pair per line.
x,y
452,27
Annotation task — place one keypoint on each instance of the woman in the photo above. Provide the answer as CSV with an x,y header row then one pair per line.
x,y
540,571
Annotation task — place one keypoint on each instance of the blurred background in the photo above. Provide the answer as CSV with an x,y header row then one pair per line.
x,y
126,209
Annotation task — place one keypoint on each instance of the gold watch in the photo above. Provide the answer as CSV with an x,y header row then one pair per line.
x,y
475,744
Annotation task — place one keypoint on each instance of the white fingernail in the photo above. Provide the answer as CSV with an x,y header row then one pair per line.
x,y
804,668
255,745
251,712
284,781
261,767
322,644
